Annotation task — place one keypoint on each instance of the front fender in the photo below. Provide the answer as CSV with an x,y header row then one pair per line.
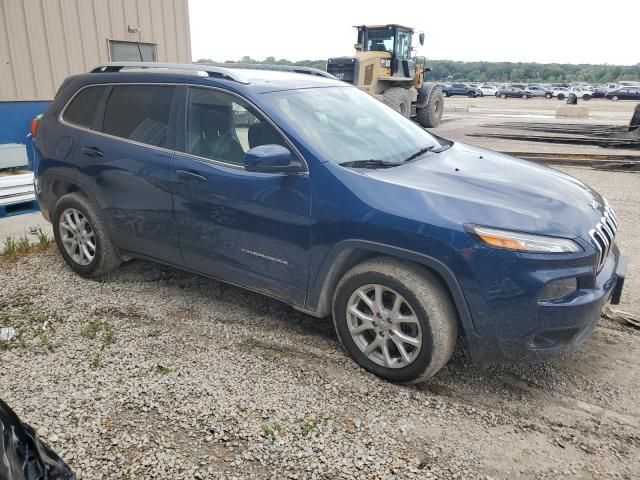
x,y
347,253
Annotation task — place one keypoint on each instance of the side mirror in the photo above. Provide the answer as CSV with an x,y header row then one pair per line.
x,y
421,38
271,159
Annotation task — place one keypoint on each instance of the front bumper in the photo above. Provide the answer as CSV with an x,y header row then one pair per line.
x,y
536,330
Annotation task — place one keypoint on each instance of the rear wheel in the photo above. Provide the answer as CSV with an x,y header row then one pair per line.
x,y
396,320
430,115
398,99
471,95
615,98
548,95
561,96
586,97
504,95
81,236
525,97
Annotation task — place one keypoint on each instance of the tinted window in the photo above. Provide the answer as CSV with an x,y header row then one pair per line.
x,y
132,51
139,113
81,111
222,127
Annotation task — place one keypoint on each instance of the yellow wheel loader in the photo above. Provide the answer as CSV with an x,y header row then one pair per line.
x,y
384,67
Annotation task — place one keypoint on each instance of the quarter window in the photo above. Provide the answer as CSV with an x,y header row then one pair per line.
x,y
222,127
139,113
82,109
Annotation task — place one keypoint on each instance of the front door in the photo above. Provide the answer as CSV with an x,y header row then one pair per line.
x,y
251,229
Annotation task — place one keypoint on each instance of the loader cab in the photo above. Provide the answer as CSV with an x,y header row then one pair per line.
x,y
394,40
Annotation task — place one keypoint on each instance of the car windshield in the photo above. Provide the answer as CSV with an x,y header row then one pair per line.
x,y
344,124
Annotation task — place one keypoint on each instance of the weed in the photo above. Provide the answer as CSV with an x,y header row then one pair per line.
x,y
96,360
10,247
43,237
120,381
270,429
23,245
312,422
162,370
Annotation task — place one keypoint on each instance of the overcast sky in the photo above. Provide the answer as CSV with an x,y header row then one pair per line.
x,y
562,31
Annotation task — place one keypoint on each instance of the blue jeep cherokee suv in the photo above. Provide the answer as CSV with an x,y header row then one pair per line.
x,y
308,190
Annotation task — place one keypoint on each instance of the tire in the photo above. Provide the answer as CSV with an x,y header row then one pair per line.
x,y
504,95
615,98
426,302
446,94
548,95
525,97
105,256
398,99
561,96
430,115
471,95
586,97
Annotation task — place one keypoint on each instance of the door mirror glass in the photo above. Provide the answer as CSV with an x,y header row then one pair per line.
x,y
271,159
421,38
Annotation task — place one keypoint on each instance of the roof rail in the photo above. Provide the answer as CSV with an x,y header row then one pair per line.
x,y
280,68
211,70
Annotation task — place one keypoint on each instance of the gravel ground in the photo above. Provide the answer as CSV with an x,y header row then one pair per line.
x,y
156,373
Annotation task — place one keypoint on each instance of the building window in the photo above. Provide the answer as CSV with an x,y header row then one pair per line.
x,y
132,51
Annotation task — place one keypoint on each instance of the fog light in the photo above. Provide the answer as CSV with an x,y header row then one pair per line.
x,y
557,289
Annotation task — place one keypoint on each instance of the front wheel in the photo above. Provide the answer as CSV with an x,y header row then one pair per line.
x,y
548,95
471,95
398,99
615,98
430,115
586,97
560,96
504,95
81,235
525,97
395,319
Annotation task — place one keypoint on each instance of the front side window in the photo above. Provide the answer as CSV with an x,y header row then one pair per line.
x,y
345,124
82,109
139,113
222,127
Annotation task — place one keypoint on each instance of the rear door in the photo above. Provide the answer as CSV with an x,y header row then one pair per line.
x,y
251,229
126,163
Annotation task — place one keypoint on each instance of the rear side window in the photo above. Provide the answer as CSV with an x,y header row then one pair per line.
x,y
139,113
82,109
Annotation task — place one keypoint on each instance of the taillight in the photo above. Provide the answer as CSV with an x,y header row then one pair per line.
x,y
34,125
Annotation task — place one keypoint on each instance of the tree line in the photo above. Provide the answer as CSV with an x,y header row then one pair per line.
x,y
495,71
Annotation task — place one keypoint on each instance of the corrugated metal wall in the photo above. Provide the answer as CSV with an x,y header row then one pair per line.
x,y
44,41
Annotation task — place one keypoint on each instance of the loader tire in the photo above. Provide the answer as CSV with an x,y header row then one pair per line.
x,y
398,99
430,115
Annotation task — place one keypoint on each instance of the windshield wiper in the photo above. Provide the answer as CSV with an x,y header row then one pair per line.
x,y
430,148
370,163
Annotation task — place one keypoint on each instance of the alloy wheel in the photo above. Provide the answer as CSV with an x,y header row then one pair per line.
x,y
77,236
384,326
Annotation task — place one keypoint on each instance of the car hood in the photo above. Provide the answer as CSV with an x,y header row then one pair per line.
x,y
479,186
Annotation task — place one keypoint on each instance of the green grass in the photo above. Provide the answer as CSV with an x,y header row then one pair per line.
x,y
270,430
162,370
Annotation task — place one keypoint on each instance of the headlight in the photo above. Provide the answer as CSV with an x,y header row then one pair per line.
x,y
524,242
385,62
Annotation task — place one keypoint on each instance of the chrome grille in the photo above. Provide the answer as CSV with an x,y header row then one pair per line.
x,y
604,234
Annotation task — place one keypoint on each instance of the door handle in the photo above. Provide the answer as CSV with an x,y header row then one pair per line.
x,y
92,152
187,175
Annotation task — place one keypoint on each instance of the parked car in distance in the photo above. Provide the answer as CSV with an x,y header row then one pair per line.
x,y
536,90
626,93
513,92
452,89
329,201
487,89
582,92
560,93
